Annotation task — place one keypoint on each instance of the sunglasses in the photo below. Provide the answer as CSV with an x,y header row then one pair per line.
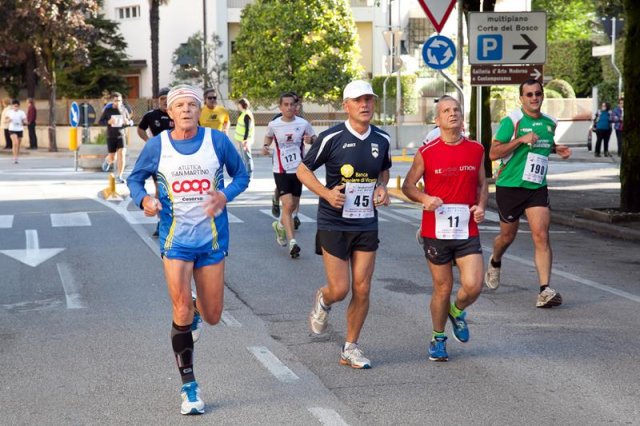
x,y
532,94
211,98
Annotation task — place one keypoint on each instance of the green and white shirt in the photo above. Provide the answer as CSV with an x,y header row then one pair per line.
x,y
526,166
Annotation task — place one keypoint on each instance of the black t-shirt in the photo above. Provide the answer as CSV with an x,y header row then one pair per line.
x,y
157,120
348,158
114,131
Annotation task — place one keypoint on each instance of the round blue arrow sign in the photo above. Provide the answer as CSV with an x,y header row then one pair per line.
x,y
439,52
74,114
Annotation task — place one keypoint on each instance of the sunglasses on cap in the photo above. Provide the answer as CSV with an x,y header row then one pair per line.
x,y
212,98
532,94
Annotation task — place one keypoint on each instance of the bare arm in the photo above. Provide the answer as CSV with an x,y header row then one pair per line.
x,y
143,134
333,196
381,195
482,196
268,140
409,188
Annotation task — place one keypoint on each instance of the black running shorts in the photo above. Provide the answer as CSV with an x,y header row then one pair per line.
x,y
342,243
512,202
441,252
288,183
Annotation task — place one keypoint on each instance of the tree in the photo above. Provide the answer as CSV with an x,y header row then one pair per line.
x,y
107,64
154,23
567,20
51,29
629,170
188,62
309,47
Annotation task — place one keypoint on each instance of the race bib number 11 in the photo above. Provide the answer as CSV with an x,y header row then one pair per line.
x,y
452,222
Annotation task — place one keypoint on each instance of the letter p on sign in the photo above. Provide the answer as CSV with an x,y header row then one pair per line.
x,y
490,47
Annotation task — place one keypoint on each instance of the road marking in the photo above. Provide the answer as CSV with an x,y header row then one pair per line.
x,y
70,219
138,217
273,364
392,216
327,416
234,218
575,278
228,320
6,221
71,287
33,255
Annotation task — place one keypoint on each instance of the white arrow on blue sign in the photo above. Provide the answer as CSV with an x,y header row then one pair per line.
x,y
439,52
74,114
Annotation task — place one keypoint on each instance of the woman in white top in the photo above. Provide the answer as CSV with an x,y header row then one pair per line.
x,y
15,119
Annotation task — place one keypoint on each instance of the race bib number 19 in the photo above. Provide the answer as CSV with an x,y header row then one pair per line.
x,y
358,203
452,222
536,168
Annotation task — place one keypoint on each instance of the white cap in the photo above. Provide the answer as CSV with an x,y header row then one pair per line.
x,y
182,91
357,88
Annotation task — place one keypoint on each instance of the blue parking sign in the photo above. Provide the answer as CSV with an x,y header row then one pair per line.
x,y
490,47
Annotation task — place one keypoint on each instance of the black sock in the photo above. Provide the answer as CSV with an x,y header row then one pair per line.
x,y
182,343
542,287
495,264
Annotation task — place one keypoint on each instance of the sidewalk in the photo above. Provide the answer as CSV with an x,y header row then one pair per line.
x,y
594,183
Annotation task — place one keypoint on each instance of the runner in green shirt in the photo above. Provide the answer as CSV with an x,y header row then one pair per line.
x,y
523,143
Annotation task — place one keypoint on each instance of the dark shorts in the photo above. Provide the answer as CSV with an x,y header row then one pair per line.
x,y
114,144
288,183
441,252
512,202
16,132
342,243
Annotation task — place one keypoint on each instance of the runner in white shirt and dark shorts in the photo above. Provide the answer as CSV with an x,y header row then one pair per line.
x,y
288,134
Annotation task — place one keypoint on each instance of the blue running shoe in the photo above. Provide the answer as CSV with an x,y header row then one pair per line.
x,y
460,328
191,402
438,349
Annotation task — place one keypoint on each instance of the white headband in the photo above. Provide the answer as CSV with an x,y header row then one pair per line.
x,y
181,91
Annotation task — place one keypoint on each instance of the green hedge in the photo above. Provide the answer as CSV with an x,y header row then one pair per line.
x,y
572,61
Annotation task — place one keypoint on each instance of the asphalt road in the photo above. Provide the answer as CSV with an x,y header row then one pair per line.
x,y
85,320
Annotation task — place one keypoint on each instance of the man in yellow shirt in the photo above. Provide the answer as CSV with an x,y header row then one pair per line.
x,y
213,115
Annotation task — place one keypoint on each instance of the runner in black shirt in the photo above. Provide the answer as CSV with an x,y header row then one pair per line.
x,y
157,119
357,161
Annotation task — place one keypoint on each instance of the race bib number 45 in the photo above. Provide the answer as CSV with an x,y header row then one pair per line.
x,y
452,222
358,203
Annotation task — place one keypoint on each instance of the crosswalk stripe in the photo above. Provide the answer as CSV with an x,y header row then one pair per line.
x,y
6,220
393,216
233,218
70,219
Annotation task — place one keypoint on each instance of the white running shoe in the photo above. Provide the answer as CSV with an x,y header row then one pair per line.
x,y
318,317
548,298
191,402
492,276
354,357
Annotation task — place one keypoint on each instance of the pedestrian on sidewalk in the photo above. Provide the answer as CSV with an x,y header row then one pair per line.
x,y
31,119
245,129
454,200
618,124
6,106
523,142
194,226
602,123
356,157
